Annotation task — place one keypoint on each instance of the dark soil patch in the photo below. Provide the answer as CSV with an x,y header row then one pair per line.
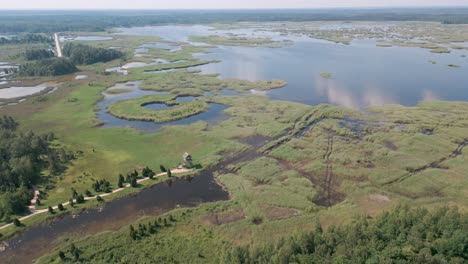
x,y
277,213
226,217
257,220
255,141
259,182
427,132
390,145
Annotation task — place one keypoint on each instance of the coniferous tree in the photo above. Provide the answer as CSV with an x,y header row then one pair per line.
x,y
16,222
133,234
133,182
61,255
121,181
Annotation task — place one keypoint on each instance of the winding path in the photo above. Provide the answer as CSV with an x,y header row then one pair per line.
x,y
36,192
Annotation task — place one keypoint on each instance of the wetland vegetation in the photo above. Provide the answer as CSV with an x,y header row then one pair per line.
x,y
275,180
236,41
135,109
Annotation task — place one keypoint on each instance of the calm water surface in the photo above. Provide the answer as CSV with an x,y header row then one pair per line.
x,y
363,74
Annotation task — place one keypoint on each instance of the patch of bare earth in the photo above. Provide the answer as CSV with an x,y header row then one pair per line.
x,y
390,145
379,198
277,213
230,216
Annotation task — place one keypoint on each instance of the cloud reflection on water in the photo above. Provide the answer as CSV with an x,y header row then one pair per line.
x,y
337,93
429,96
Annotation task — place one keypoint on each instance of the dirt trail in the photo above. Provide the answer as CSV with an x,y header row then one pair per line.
x,y
328,189
58,48
36,212
328,184
433,165
33,202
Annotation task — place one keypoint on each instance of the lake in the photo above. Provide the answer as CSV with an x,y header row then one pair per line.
x,y
362,73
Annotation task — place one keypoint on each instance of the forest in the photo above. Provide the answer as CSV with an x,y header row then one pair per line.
x,y
38,54
42,62
47,67
23,157
81,54
26,39
52,21
402,235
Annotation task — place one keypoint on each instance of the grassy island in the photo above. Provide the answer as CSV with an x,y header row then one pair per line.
x,y
134,109
233,41
326,75
180,81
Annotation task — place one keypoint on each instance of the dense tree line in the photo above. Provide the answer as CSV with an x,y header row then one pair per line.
x,y
65,21
26,39
400,236
150,228
47,67
38,54
81,54
22,158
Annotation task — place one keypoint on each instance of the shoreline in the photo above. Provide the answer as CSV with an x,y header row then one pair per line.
x,y
41,211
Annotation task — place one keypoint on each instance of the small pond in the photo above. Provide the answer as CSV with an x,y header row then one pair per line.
x,y
213,115
21,91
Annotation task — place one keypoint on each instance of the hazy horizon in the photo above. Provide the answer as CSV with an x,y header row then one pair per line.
x,y
213,4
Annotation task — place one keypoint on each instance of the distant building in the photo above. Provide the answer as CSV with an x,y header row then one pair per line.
x,y
187,160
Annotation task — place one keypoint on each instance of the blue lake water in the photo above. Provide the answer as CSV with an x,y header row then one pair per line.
x,y
161,45
213,115
363,74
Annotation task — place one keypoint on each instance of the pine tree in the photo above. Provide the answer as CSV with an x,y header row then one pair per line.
x,y
16,222
133,182
76,255
73,248
61,255
133,234
75,194
121,181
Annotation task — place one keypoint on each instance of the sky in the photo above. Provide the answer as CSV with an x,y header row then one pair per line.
x,y
218,4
